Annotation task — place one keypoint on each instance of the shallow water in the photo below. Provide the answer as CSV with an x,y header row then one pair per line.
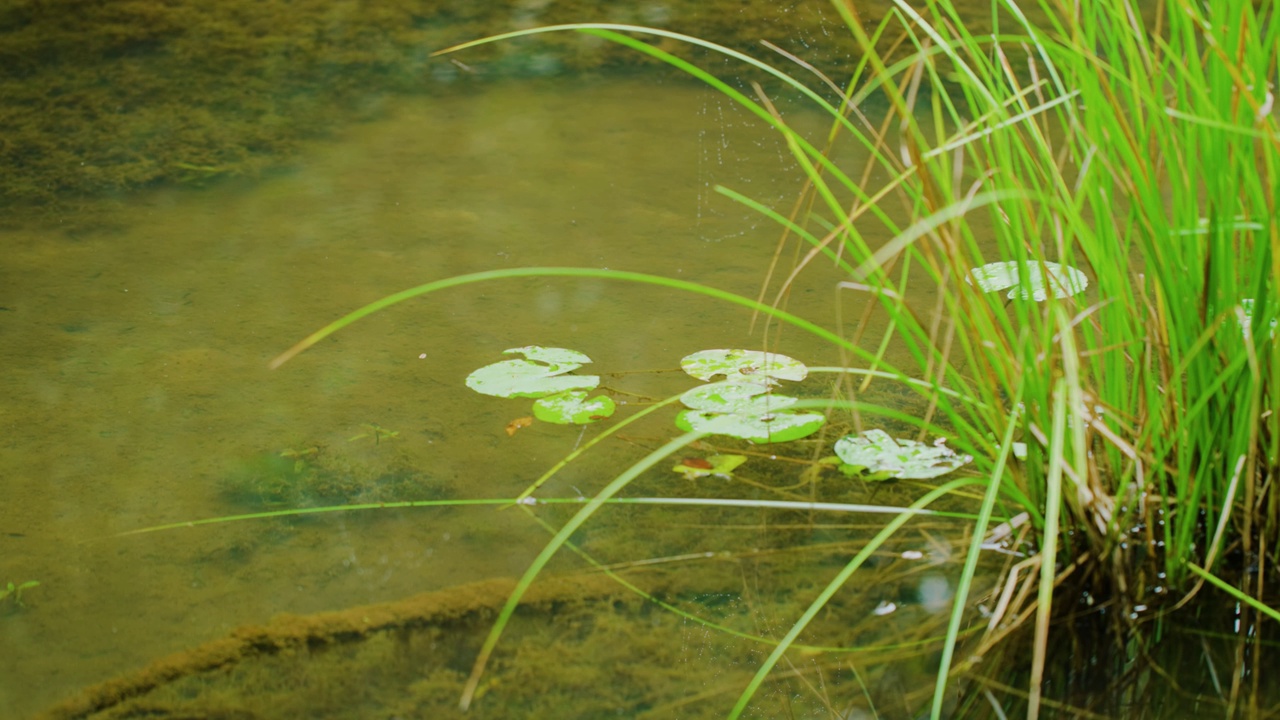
x,y
137,346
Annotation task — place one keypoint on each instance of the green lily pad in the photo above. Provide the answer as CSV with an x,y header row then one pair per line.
x,y
572,407
542,373
742,398
743,365
719,465
745,410
1062,280
879,453
782,426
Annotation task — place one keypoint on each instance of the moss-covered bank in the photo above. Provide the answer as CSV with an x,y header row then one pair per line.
x,y
103,96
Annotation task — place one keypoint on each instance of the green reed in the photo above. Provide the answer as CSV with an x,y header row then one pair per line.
x,y
1144,149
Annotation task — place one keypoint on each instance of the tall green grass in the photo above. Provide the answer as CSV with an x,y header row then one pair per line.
x,y
1139,146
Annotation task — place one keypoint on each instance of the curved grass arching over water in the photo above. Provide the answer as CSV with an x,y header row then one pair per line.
x,y
602,274
1149,155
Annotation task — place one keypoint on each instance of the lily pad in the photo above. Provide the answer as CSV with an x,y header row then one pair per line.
x,y
743,365
1246,323
782,426
742,398
718,465
572,407
745,410
879,453
542,373
1236,224
1042,279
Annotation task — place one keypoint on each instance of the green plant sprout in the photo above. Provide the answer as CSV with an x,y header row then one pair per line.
x,y
300,456
13,593
375,431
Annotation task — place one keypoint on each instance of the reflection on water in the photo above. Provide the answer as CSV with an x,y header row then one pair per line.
x,y
136,363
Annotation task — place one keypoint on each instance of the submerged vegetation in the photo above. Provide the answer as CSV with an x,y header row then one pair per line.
x,y
11,594
103,98
314,476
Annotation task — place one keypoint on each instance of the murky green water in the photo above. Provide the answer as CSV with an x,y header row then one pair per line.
x,y
136,350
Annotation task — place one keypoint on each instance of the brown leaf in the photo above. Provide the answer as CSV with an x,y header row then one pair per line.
x,y
520,422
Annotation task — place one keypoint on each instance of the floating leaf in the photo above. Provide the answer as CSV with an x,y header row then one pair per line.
x,y
1062,281
743,398
718,465
1246,322
779,427
1238,223
542,373
521,422
782,426
573,408
745,410
552,356
743,365
877,452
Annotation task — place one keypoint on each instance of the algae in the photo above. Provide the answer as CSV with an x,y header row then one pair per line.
x,y
316,476
105,97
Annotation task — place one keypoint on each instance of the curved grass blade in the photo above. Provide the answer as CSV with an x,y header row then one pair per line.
x,y
553,547
388,301
292,512
971,558
794,505
834,586
1234,592
725,629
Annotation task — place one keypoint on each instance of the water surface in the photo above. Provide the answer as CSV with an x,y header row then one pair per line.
x,y
137,344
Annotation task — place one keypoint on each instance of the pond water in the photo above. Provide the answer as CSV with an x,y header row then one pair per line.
x,y
139,331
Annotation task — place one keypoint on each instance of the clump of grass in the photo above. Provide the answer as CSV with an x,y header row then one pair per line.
x,y
1146,151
